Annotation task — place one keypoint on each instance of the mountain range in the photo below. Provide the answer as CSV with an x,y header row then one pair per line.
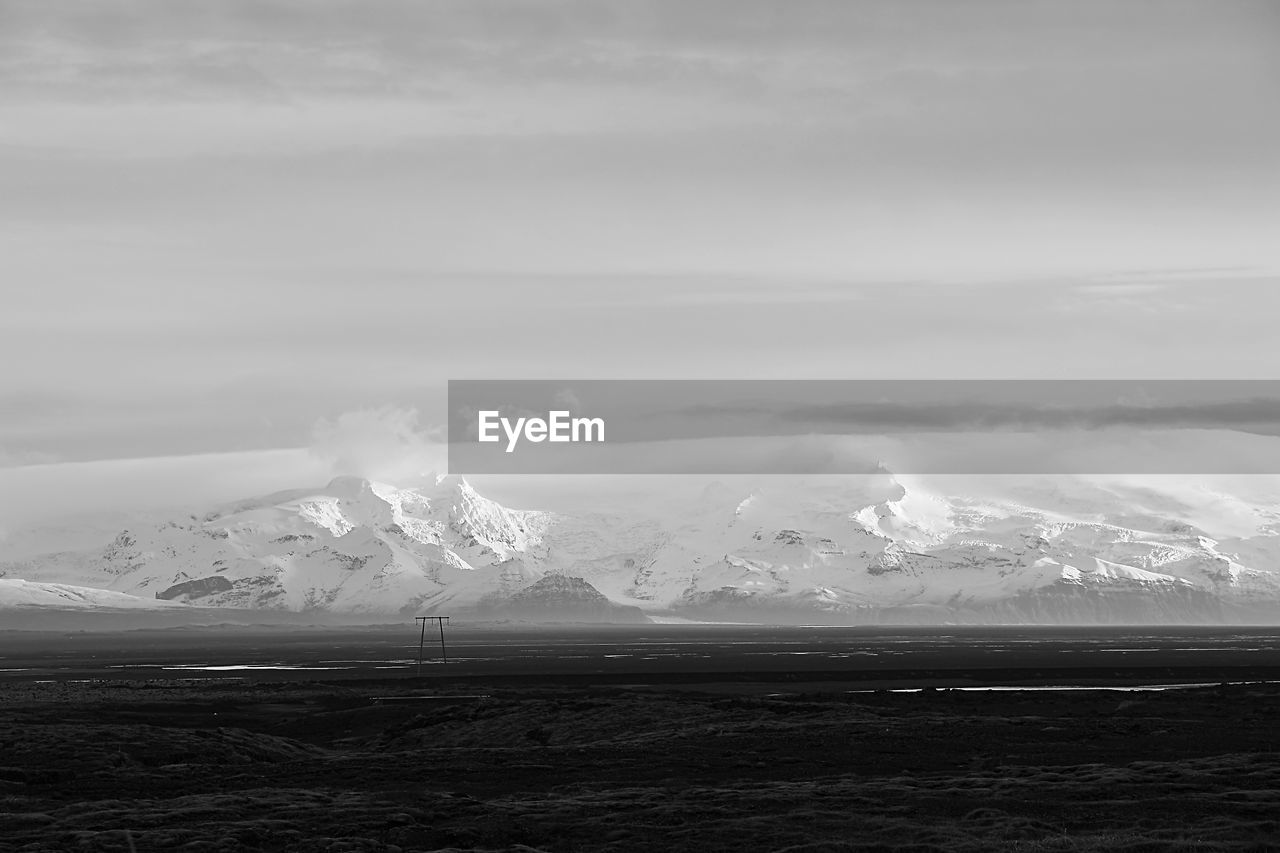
x,y
875,549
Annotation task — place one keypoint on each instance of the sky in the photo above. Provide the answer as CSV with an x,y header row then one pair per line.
x,y
225,226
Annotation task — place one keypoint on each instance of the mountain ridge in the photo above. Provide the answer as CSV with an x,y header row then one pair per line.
x,y
855,550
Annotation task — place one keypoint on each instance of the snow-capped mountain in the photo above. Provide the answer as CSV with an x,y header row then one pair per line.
x,y
352,546
20,593
858,549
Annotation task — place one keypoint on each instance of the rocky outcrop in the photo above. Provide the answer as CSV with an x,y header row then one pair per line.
x,y
191,590
561,598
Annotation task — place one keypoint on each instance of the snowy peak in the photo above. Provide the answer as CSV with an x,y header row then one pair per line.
x,y
1095,570
353,544
857,548
28,594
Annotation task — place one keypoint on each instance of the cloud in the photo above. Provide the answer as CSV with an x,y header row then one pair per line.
x,y
1131,452
995,406
1259,415
386,443
17,458
57,493
568,398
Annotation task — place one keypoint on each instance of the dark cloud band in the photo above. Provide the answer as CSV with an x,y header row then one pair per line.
x,y
853,426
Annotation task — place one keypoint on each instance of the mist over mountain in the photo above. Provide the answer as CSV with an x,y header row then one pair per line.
x,y
853,550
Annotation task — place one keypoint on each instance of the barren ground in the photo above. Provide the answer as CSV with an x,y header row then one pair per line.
x,y
304,766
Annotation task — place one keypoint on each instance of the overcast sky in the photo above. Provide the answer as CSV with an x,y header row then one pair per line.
x,y
221,222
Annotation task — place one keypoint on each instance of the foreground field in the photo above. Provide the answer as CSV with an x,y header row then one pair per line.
x,y
426,765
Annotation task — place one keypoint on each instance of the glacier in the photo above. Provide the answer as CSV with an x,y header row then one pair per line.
x,y
846,550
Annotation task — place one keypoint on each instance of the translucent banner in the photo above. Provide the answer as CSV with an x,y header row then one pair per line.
x,y
856,426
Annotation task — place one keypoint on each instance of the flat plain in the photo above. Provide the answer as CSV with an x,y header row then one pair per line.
x,y
733,738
